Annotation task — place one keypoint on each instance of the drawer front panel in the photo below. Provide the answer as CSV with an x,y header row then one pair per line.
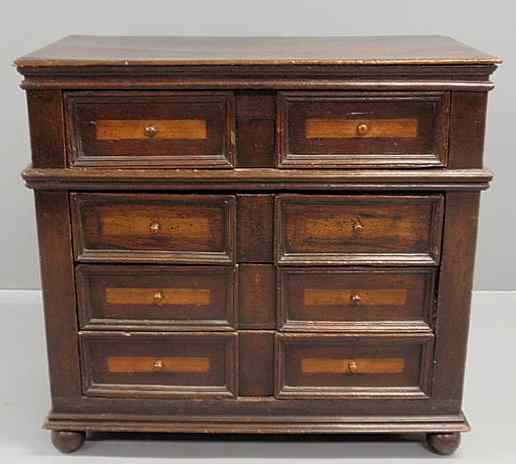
x,y
354,229
322,366
329,299
156,297
149,365
367,129
175,129
147,228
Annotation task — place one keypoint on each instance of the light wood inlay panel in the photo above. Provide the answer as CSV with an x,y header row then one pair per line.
x,y
361,366
169,296
177,223
347,128
135,129
370,297
129,364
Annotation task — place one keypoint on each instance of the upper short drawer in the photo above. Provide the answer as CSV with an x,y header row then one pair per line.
x,y
368,129
148,228
358,229
139,129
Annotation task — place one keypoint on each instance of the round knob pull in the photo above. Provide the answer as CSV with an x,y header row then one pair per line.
x,y
355,299
357,226
157,364
158,297
352,367
362,129
155,227
150,131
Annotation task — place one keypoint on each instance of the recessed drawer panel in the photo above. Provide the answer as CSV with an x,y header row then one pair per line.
x,y
319,129
322,366
166,365
156,297
149,228
354,229
335,299
174,129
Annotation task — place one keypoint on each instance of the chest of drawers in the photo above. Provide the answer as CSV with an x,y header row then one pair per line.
x,y
257,235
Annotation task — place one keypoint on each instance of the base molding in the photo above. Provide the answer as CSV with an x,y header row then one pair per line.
x,y
264,425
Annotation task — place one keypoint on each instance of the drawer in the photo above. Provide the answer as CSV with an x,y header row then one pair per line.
x,y
371,129
336,299
159,365
147,228
139,129
350,366
354,229
132,297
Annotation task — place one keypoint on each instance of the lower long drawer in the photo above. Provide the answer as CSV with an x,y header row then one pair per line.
x,y
159,365
353,366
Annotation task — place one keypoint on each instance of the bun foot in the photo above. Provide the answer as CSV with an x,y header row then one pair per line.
x,y
67,442
443,443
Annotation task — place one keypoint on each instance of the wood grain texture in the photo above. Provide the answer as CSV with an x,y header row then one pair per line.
x,y
135,51
467,129
352,366
338,299
256,296
324,366
256,363
46,124
255,220
144,129
137,364
371,229
147,228
180,365
318,128
367,129
56,262
180,129
156,298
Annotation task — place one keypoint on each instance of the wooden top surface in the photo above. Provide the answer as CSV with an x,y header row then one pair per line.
x,y
124,51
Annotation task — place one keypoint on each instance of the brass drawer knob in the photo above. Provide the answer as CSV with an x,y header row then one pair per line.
x,y
355,299
157,364
155,227
357,226
150,131
158,297
362,129
352,367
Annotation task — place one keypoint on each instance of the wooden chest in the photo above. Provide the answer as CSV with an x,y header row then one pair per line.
x,y
257,235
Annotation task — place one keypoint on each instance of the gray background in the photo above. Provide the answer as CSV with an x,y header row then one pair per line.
x,y
490,27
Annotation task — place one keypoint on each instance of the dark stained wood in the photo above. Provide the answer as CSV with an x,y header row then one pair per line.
x,y
256,115
218,327
256,296
45,108
67,441
443,443
255,219
356,299
143,228
467,127
358,229
57,279
256,361
136,51
340,366
155,364
370,129
258,179
454,299
159,298
172,129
